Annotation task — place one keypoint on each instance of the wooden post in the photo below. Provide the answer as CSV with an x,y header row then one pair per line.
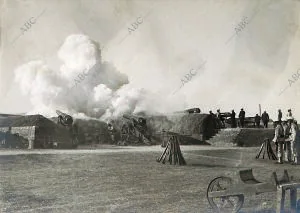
x,y
172,152
293,200
280,200
266,147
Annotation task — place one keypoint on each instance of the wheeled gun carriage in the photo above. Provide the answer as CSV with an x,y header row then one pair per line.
x,y
227,195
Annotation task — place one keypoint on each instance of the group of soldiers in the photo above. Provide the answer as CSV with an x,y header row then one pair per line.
x,y
219,119
287,138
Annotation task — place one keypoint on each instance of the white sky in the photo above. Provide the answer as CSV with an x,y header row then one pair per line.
x,y
178,35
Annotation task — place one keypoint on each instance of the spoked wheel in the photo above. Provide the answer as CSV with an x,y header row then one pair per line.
x,y
224,204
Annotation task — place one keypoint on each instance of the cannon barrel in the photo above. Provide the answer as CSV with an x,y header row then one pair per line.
x,y
192,110
130,117
134,118
226,114
65,119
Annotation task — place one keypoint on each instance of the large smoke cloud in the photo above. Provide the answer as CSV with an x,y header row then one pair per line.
x,y
84,86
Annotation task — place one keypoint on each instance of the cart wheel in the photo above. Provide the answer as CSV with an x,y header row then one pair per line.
x,y
232,203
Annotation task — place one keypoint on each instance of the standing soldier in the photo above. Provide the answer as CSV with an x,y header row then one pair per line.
x,y
233,122
289,114
287,144
294,140
279,115
257,120
279,140
242,117
265,119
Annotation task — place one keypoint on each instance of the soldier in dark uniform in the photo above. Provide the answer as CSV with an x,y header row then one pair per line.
x,y
265,119
242,117
233,122
257,120
213,116
279,115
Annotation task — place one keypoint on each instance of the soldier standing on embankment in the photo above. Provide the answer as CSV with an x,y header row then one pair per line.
x,y
279,140
242,116
265,119
289,114
279,115
257,120
233,122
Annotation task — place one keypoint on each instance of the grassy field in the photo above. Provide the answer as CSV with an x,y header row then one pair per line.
x,y
123,180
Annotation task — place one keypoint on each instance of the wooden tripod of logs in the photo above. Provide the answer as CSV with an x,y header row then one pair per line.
x,y
266,148
172,152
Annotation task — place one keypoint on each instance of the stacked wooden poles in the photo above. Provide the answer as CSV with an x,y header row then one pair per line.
x,y
172,152
266,148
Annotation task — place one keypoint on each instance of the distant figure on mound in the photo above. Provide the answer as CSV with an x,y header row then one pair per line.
x,y
221,119
279,115
242,117
279,140
265,119
257,120
289,114
232,117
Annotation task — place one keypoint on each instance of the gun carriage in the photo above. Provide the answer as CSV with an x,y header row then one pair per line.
x,y
135,130
225,194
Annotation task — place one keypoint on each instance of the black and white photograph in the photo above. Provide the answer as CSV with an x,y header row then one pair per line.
x,y
149,106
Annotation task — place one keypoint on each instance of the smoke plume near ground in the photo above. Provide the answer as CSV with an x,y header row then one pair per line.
x,y
85,86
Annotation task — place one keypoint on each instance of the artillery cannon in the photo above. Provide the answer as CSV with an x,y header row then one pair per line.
x,y
225,114
64,119
67,121
190,111
135,131
225,194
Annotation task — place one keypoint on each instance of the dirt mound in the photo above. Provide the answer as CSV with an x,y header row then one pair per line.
x,y
28,120
253,137
245,137
193,128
